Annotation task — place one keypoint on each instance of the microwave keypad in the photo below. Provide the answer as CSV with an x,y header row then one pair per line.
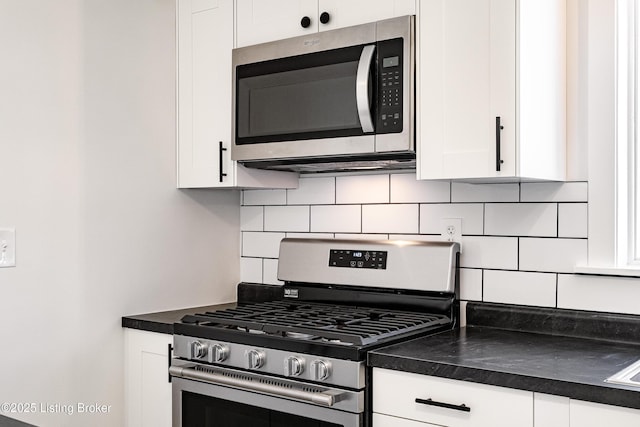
x,y
390,86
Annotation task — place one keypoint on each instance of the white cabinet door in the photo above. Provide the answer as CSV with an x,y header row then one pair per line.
x,y
147,389
472,70
550,411
260,21
205,42
466,79
586,414
353,12
446,402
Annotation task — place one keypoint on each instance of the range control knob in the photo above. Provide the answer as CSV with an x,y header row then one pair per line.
x,y
320,370
255,358
198,350
220,352
293,366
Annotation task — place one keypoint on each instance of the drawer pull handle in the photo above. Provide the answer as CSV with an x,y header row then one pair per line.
x,y
431,402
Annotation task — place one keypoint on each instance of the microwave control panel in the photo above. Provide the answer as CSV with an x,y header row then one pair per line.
x,y
390,83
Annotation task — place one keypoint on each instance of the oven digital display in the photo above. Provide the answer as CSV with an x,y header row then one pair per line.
x,y
375,260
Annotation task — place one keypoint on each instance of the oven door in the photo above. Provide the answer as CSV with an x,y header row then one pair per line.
x,y
207,396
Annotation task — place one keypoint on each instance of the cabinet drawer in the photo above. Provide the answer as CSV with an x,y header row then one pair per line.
x,y
395,393
380,420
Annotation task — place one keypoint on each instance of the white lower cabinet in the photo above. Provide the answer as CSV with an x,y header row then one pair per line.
x,y
147,389
396,397
395,394
380,420
587,414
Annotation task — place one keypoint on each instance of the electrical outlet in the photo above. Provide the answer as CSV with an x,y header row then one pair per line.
x,y
451,229
7,247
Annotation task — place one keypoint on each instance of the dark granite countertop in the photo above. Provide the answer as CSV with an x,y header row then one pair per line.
x,y
574,367
10,422
162,322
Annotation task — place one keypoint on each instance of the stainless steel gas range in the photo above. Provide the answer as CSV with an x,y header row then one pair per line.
x,y
301,361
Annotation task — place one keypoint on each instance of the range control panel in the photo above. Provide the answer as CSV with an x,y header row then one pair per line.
x,y
358,258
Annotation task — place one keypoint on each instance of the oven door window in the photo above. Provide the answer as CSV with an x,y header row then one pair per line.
x,y
310,96
204,411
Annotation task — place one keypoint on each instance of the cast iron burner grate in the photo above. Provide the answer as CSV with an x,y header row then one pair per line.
x,y
340,324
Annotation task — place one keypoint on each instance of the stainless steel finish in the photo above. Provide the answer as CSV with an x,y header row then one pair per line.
x,y
426,266
301,45
320,370
391,28
343,146
198,350
219,353
629,376
255,359
346,418
362,88
258,384
344,373
293,366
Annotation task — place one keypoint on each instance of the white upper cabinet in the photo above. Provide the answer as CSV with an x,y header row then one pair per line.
x,y
260,21
204,43
491,89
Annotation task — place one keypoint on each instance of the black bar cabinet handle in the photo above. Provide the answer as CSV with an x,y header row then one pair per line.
x,y
499,127
222,150
431,402
169,353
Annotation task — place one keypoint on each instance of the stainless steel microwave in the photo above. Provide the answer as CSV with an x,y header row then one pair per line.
x,y
336,100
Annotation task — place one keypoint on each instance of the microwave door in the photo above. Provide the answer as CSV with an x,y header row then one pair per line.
x,y
363,88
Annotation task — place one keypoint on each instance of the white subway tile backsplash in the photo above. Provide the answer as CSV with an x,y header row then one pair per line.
x,y
406,189
552,255
264,197
521,219
471,213
572,220
489,252
263,245
553,192
349,236
470,284
286,218
520,241
251,270
251,218
518,287
599,293
313,191
336,219
362,189
462,192
390,218
311,235
270,275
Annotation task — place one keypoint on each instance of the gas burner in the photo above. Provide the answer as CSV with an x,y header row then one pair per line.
x,y
300,335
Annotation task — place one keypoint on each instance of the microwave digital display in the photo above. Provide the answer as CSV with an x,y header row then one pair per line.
x,y
392,61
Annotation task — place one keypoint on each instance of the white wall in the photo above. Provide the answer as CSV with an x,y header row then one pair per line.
x,y
87,178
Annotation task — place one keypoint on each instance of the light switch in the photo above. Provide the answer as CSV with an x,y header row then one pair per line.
x,y
7,247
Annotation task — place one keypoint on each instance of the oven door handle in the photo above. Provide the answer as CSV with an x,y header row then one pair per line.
x,y
325,398
362,88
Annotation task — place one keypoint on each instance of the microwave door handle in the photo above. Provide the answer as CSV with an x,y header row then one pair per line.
x,y
362,88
